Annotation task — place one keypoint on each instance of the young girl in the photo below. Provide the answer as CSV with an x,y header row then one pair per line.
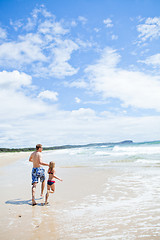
x,y
51,182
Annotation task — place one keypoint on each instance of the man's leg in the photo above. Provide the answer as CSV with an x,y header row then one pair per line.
x,y
42,187
33,193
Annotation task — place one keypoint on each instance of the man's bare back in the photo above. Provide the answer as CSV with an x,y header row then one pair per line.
x,y
36,158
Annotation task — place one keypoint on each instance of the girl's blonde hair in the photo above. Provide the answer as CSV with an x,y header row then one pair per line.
x,y
51,165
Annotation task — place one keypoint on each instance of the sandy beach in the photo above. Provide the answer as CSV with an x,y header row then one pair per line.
x,y
9,158
90,203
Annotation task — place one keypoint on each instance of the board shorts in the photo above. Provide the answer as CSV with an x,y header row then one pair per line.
x,y
38,173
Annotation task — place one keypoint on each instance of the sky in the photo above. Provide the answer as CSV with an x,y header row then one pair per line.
x,y
79,72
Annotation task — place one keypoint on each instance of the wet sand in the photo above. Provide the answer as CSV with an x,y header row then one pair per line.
x,y
90,203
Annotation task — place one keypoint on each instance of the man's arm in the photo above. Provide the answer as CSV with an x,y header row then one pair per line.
x,y
42,163
30,159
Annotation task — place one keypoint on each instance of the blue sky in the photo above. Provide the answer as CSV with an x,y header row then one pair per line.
x,y
76,72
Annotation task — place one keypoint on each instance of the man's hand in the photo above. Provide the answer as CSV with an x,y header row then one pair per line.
x,y
44,164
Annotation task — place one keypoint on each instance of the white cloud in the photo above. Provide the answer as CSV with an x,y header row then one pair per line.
x,y
76,127
35,15
139,18
31,23
108,22
31,48
47,48
78,100
3,33
16,106
14,80
49,95
114,37
24,51
82,19
78,84
14,103
132,88
26,120
96,102
83,113
16,24
73,23
62,54
96,30
152,60
150,29
41,10
85,43
52,27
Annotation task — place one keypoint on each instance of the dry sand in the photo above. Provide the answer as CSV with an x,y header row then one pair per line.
x,y
9,158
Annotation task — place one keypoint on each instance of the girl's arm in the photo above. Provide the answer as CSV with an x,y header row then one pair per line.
x,y
56,176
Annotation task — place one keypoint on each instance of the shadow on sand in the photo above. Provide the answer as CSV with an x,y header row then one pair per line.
x,y
22,202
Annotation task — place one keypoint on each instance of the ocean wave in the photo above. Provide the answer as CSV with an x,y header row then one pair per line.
x,y
137,150
101,153
132,151
148,161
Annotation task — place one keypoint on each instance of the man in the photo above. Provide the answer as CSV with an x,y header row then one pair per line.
x,y
37,171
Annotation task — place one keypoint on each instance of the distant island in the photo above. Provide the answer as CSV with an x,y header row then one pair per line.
x,y
64,146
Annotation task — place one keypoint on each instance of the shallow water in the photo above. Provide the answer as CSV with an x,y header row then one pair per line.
x,y
126,207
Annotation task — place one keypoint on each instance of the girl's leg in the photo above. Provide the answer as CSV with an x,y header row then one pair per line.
x,y
52,188
47,194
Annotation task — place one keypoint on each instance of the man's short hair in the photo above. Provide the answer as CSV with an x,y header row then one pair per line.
x,y
38,146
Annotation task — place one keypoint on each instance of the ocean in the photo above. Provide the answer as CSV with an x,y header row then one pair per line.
x,y
113,155
124,197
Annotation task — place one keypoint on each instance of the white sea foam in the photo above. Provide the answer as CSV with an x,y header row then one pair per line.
x,y
102,153
129,202
137,150
146,161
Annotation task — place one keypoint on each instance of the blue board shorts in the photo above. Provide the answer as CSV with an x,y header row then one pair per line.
x,y
38,173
